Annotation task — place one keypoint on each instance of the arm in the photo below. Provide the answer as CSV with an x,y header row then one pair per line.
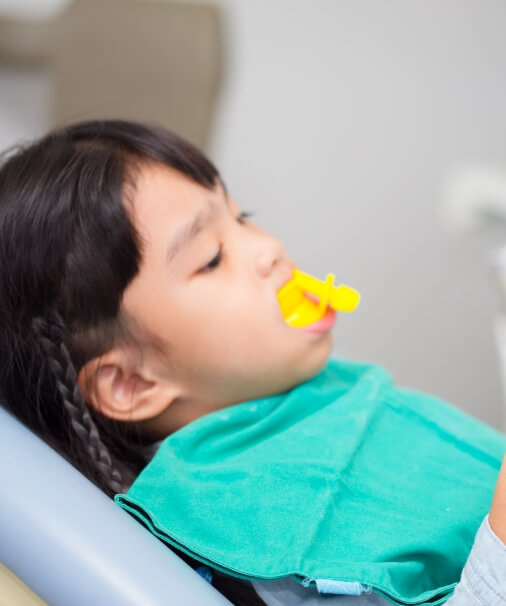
x,y
483,581
497,516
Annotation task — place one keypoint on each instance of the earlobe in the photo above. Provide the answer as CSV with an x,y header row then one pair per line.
x,y
120,390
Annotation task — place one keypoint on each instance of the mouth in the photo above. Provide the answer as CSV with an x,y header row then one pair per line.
x,y
323,325
323,319
309,304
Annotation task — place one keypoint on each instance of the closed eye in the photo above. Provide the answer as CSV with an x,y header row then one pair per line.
x,y
214,262
243,216
218,258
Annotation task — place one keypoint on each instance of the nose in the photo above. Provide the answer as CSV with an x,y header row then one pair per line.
x,y
269,253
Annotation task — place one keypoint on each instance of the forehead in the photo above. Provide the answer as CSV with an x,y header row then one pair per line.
x,y
161,191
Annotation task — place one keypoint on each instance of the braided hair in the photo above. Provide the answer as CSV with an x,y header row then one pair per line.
x,y
50,335
67,252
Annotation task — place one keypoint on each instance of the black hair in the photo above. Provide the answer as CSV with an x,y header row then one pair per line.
x,y
68,250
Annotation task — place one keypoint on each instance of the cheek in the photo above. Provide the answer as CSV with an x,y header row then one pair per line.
x,y
220,334
224,328
226,324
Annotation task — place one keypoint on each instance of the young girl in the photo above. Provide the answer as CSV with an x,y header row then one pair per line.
x,y
136,297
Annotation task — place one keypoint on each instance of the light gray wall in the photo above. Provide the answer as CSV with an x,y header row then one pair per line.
x,y
338,122
24,104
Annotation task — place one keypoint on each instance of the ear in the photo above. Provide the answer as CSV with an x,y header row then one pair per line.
x,y
121,388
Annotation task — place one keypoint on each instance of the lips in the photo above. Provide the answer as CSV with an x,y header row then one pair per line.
x,y
323,325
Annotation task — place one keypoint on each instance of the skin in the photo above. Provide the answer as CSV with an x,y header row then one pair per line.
x,y
497,516
213,309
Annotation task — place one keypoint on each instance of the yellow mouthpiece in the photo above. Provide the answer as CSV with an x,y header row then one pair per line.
x,y
298,309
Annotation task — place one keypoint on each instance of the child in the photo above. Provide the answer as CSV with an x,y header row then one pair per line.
x,y
137,298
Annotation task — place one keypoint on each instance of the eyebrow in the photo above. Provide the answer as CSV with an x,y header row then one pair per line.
x,y
188,233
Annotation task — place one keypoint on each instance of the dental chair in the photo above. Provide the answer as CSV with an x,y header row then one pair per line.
x,y
71,545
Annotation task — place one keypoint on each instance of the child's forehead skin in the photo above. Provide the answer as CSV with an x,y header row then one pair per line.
x,y
159,178
161,189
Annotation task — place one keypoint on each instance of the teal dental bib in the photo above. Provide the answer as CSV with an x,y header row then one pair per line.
x,y
343,478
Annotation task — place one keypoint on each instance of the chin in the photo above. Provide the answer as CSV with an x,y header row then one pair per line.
x,y
316,362
312,363
299,369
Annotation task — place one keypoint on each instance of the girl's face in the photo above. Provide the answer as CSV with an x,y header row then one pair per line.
x,y
207,290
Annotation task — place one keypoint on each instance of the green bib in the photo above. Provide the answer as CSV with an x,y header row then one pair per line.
x,y
344,478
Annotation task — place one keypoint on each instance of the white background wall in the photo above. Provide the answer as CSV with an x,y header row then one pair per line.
x,y
338,123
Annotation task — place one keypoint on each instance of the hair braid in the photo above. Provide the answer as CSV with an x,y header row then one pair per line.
x,y
50,334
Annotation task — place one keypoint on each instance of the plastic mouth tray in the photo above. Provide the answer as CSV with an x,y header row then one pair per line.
x,y
305,299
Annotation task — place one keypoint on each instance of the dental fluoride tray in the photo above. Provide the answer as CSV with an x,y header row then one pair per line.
x,y
304,299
